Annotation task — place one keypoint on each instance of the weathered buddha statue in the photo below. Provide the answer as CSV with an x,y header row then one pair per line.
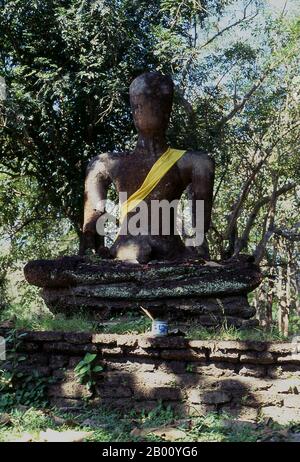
x,y
151,97
147,266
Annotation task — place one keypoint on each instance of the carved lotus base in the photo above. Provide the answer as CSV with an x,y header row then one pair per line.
x,y
192,290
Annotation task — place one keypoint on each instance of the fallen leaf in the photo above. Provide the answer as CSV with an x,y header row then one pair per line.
x,y
166,433
68,436
94,423
230,423
185,423
136,432
169,433
59,421
5,419
212,263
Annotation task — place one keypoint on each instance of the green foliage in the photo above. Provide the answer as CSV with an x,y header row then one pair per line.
x,y
189,368
18,387
86,371
67,89
212,427
235,67
159,416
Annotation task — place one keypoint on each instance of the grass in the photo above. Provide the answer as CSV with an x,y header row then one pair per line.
x,y
129,326
105,425
110,426
128,323
232,333
43,319
80,322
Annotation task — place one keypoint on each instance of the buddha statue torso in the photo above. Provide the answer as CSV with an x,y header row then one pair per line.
x,y
151,100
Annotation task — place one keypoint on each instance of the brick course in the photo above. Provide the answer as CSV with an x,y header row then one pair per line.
x,y
249,379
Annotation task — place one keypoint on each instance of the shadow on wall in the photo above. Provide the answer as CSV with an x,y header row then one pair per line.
x,y
192,377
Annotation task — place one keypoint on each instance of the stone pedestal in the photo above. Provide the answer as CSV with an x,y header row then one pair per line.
x,y
207,292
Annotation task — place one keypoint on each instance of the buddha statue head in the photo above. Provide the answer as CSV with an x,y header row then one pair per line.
x,y
151,97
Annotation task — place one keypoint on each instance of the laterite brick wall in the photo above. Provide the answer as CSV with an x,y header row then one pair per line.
x,y
246,379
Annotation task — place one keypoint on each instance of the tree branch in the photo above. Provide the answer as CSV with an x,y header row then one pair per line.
x,y
230,26
239,106
242,242
269,228
237,206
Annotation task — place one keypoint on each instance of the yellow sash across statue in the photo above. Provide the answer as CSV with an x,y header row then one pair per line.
x,y
158,170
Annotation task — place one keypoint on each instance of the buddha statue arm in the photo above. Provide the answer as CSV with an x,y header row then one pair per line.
x,y
97,182
201,187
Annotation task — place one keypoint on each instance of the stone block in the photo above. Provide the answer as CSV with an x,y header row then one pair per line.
x,y
242,384
252,371
202,345
117,351
58,361
115,379
264,398
226,357
105,339
281,347
287,386
215,370
108,391
68,390
257,358
183,355
130,365
238,345
42,336
163,342
127,340
160,393
283,371
143,352
77,337
154,379
71,348
291,359
292,401
208,396
176,367
281,415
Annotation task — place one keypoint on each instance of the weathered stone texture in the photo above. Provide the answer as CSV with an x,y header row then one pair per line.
x,y
243,379
252,371
180,290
